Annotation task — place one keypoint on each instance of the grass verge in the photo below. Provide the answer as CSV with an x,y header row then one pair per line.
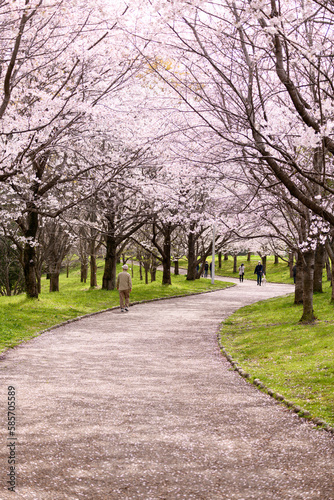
x,y
292,359
22,318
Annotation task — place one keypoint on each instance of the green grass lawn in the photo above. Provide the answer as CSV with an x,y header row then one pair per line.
x,y
294,360
276,273
22,318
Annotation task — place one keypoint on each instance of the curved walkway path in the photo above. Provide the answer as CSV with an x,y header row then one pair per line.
x,y
143,406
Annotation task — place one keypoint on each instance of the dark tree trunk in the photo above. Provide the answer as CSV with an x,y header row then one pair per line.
x,y
153,272
330,249
299,280
29,271
235,263
92,264
328,269
276,260
54,281
264,263
84,271
290,264
166,274
249,256
140,270
192,260
219,260
38,270
176,267
226,256
200,271
93,271
109,275
29,257
164,250
319,263
308,272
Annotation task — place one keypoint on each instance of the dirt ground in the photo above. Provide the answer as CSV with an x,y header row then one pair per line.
x,y
141,405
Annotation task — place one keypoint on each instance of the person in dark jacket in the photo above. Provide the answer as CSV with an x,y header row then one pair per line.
x,y
241,273
259,272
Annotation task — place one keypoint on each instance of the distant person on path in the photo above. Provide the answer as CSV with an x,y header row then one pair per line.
x,y
206,269
259,272
241,273
124,287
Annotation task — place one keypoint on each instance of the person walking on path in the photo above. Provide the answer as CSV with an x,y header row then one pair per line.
x,y
124,287
241,273
259,272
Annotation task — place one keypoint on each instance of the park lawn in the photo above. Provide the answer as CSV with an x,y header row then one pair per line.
x,y
294,360
275,273
22,318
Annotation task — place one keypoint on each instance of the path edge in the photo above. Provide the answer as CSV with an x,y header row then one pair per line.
x,y
304,414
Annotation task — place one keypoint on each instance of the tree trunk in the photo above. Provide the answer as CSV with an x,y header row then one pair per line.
x,y
276,260
153,272
308,273
84,271
93,271
328,269
299,280
319,262
219,260
93,265
192,261
290,264
109,275
235,263
226,256
176,267
330,250
249,256
264,263
29,257
54,282
166,275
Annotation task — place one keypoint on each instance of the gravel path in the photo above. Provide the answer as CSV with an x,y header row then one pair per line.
x,y
141,405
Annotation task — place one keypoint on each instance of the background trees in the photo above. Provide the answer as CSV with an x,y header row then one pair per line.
x,y
259,78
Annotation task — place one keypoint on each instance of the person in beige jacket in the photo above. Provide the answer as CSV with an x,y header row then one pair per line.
x,y
124,287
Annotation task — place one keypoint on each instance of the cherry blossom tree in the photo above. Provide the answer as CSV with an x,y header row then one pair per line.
x,y
260,78
55,77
